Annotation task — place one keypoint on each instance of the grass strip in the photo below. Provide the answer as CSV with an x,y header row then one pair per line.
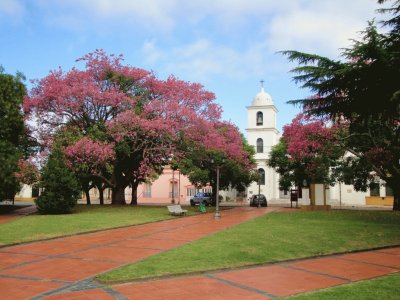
x,y
84,218
270,238
387,287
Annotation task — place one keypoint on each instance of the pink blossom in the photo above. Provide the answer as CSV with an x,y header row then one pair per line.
x,y
307,136
91,156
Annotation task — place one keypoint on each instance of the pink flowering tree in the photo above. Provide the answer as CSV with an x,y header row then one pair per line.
x,y
27,173
309,150
129,121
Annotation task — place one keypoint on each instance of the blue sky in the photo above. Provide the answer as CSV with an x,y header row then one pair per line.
x,y
227,45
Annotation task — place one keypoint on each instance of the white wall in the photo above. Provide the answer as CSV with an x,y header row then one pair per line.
x,y
343,194
25,192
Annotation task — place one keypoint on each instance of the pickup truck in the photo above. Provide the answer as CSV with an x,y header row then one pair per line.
x,y
199,198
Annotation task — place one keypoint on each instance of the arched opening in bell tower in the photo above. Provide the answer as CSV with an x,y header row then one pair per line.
x,y
260,118
260,145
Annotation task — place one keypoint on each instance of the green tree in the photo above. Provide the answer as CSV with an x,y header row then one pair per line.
x,y
361,94
60,186
200,165
292,173
12,91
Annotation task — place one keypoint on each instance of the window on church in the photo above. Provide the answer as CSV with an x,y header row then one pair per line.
x,y
388,190
374,189
259,118
260,146
261,179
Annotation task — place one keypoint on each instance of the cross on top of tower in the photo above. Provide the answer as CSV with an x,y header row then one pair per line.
x,y
262,82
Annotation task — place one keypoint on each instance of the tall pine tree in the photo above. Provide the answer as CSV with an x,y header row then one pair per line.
x,y
361,93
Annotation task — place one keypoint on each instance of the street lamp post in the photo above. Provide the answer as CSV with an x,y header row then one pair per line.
x,y
259,193
179,187
173,186
217,214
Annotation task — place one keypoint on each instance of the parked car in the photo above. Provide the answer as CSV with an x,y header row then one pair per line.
x,y
201,198
255,199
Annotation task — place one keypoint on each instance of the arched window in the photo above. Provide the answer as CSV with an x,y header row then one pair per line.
x,y
262,176
259,118
260,146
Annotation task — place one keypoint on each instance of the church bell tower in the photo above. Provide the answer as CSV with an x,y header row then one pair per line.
x,y
262,134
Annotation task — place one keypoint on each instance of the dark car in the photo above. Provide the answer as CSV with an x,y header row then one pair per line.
x,y
255,199
201,198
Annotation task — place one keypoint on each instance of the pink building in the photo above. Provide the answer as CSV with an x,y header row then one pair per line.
x,y
170,185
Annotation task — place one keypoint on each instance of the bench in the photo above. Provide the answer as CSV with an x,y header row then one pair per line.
x,y
176,210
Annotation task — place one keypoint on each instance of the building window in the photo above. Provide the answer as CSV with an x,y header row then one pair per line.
x,y
259,118
374,189
190,192
173,189
388,191
261,180
207,190
260,145
147,190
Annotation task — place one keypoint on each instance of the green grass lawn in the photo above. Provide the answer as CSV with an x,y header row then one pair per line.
x,y
270,238
387,287
85,218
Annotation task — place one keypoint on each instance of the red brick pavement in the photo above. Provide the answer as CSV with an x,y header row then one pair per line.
x,y
48,266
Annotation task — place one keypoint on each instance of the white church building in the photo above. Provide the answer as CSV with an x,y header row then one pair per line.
x,y
262,134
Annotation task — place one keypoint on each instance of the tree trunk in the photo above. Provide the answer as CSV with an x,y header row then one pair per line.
x,y
134,197
396,198
392,182
101,195
118,195
300,190
87,196
134,200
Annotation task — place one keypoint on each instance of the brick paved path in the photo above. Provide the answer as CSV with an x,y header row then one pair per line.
x,y
63,268
38,269
31,209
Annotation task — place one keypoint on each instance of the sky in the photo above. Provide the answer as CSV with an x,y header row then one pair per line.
x,y
228,46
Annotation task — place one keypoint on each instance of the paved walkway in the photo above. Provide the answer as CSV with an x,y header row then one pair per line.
x,y
39,269
24,211
63,268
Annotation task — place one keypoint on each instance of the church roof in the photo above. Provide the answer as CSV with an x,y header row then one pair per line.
x,y
262,98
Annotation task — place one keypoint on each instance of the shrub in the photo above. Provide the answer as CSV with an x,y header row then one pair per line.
x,y
60,187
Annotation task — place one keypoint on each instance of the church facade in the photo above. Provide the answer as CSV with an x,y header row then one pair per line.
x,y
263,134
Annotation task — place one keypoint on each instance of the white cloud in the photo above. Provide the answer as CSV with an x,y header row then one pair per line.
x,y
12,8
310,24
69,21
148,15
233,38
322,28
202,59
151,53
